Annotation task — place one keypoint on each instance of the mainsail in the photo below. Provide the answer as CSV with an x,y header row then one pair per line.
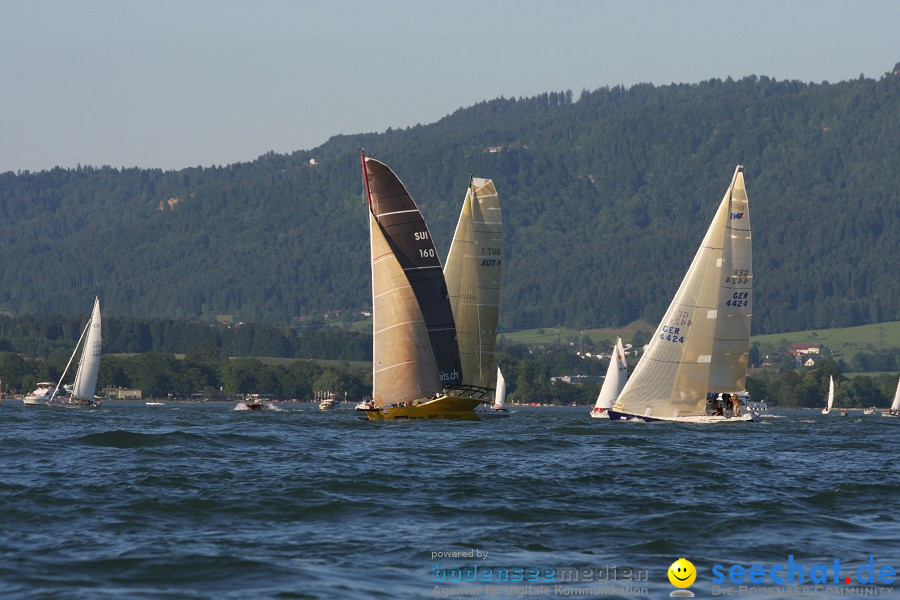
x,y
472,274
407,237
616,377
702,343
500,391
829,403
89,363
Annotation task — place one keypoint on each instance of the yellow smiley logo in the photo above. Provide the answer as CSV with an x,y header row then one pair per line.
x,y
682,573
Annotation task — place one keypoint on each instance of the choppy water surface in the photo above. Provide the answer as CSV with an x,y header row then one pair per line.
x,y
199,501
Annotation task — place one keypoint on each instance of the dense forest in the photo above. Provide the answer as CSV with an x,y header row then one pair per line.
x,y
605,200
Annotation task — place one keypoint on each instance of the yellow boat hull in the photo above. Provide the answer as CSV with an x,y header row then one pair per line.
x,y
446,407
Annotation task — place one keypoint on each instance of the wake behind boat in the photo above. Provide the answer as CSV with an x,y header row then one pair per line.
x,y
702,344
88,367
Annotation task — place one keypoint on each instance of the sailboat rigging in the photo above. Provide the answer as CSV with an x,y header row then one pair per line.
x,y
88,366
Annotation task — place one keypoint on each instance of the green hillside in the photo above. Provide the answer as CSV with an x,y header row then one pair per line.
x,y
605,200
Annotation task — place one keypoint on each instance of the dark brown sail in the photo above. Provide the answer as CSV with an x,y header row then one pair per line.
x,y
410,240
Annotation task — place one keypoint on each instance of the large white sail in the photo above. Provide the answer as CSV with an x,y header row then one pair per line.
x,y
500,391
829,403
472,273
702,343
616,377
89,363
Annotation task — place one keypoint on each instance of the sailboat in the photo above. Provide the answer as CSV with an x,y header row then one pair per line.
x,y
829,402
472,274
416,369
702,344
615,380
498,408
894,410
88,366
499,392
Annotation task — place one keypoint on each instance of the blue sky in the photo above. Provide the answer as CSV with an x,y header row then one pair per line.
x,y
179,83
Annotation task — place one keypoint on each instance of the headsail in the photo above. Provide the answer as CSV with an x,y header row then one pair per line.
x,y
407,237
702,343
89,364
616,377
472,273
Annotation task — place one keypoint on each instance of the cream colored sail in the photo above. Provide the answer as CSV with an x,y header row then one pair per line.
x,y
404,367
89,364
703,341
472,273
616,377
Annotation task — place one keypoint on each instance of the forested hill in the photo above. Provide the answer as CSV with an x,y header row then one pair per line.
x,y
605,200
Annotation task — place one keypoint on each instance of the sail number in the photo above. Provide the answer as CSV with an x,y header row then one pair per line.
x,y
671,334
739,299
421,235
426,252
739,276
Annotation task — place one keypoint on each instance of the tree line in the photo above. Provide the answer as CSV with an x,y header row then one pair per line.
x,y
605,199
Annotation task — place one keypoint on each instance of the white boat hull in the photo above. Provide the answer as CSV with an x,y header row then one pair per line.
x,y
696,419
597,414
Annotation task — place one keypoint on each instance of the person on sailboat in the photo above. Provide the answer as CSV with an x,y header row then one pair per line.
x,y
735,406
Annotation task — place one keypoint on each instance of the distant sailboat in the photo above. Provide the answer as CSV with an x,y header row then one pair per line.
x,y
613,383
498,408
500,392
829,403
894,410
88,366
416,370
702,344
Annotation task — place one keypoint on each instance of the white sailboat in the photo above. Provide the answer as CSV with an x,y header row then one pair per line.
x,y
613,383
416,370
829,402
500,392
894,410
498,408
88,366
702,344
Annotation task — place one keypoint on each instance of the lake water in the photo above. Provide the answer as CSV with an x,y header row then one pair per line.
x,y
199,501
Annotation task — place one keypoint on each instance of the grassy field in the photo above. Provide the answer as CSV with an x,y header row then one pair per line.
x,y
844,339
864,337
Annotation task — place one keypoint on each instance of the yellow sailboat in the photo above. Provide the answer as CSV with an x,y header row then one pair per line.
x,y
416,370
